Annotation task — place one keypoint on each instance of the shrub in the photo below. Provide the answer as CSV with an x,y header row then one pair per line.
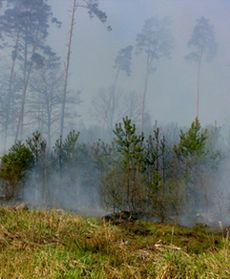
x,y
14,166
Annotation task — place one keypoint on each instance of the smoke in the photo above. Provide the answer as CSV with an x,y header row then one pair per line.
x,y
76,187
210,195
220,193
71,190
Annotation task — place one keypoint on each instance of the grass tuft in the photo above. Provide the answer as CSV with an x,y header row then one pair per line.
x,y
40,244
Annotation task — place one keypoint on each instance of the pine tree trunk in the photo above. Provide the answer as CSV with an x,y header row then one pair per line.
x,y
27,72
49,123
147,72
113,100
74,9
9,93
198,86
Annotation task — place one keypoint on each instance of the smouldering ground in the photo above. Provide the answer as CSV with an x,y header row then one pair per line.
x,y
54,245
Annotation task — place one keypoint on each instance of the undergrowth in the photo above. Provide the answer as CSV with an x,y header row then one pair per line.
x,y
40,244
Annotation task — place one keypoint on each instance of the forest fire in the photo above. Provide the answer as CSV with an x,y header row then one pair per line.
x,y
118,112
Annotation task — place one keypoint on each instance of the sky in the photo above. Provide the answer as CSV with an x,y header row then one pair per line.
x,y
172,89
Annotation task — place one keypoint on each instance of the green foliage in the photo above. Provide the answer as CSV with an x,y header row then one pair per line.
x,y
14,166
123,185
154,177
155,39
129,144
70,145
195,163
37,145
157,164
192,142
214,151
202,41
104,155
124,59
66,151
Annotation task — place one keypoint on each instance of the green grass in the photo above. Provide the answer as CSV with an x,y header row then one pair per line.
x,y
53,245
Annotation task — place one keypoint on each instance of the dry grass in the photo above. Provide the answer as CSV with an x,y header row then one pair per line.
x,y
53,245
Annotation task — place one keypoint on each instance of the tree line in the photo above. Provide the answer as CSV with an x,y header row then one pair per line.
x,y
166,174
154,42
34,85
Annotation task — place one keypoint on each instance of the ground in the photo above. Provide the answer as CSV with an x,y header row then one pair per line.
x,y
54,244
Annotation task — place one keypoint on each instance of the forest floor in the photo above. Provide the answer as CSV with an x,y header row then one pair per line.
x,y
53,244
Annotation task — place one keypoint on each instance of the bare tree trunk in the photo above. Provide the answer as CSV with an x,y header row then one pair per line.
x,y
113,100
147,72
49,113
157,137
49,110
26,79
198,87
74,9
9,93
128,189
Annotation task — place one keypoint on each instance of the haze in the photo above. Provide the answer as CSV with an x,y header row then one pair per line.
x,y
172,89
